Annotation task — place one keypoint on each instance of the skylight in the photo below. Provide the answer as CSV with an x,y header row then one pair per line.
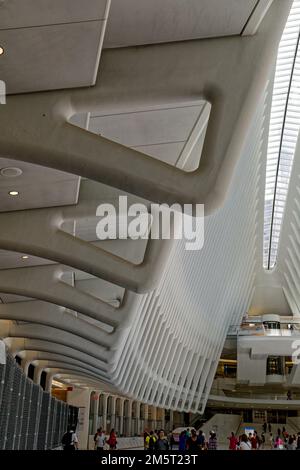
x,y
283,133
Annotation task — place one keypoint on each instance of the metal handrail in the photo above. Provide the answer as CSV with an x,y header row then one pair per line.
x,y
239,394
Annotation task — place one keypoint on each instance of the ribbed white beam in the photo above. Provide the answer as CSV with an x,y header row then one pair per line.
x,y
43,236
34,127
20,346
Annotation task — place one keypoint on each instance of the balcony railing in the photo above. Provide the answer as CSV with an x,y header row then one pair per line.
x,y
237,394
258,329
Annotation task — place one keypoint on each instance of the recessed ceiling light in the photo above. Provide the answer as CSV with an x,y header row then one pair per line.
x,y
1,50
25,257
11,172
13,193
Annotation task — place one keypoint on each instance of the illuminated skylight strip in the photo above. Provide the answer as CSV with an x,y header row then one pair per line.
x,y
283,133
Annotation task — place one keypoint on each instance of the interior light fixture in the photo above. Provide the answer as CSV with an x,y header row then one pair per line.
x,y
25,257
11,172
13,193
1,50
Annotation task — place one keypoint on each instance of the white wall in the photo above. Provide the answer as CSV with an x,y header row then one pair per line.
x,y
251,370
223,425
81,399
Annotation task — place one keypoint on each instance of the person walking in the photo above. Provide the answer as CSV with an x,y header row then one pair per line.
x,y
254,440
245,444
232,441
112,440
269,428
212,441
171,440
263,440
100,440
70,440
146,440
96,434
265,427
182,441
290,445
162,441
192,444
278,443
201,440
150,441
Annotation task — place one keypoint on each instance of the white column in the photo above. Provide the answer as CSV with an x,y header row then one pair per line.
x,y
153,417
113,412
37,375
146,413
25,364
95,413
81,398
137,429
129,418
104,410
171,420
121,416
49,379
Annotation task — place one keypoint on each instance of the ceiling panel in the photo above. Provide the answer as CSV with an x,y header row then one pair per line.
x,y
38,187
134,22
147,127
50,57
130,250
100,289
33,196
13,259
25,13
160,133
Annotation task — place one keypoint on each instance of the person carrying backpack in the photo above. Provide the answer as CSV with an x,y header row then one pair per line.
x,y
151,441
70,440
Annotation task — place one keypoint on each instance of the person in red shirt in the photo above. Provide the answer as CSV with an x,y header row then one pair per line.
x,y
253,440
112,441
232,441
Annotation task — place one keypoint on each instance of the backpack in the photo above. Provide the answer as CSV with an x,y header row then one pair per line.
x,y
67,439
151,442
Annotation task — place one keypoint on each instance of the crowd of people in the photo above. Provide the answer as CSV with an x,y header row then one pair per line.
x,y
101,442
193,441
189,440
70,440
253,441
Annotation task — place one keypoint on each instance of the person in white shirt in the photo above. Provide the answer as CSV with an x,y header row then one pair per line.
x,y
100,440
245,444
